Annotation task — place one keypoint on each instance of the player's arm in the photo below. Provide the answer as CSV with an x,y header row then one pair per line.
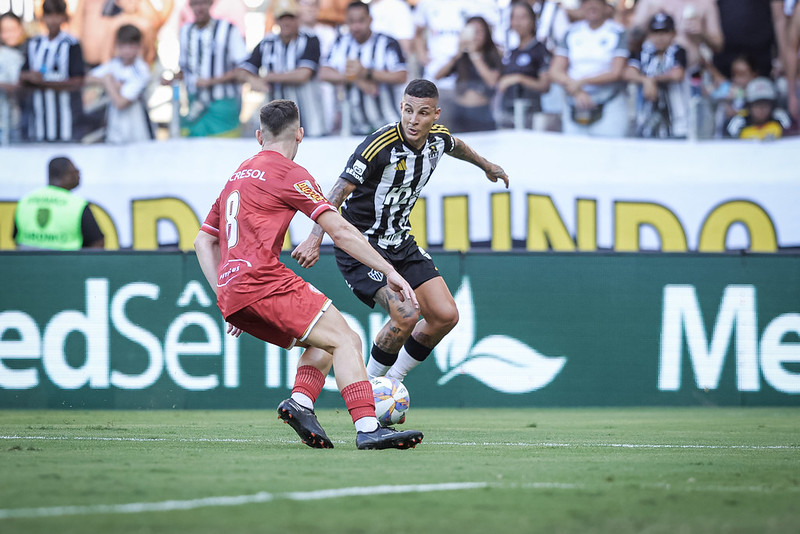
x,y
463,151
349,239
207,248
307,252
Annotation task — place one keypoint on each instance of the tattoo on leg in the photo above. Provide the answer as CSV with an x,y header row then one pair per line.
x,y
425,339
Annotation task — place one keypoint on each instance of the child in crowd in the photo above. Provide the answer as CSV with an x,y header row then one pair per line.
x,y
660,67
727,96
761,118
125,79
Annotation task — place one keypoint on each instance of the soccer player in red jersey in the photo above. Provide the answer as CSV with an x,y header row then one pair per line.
x,y
239,247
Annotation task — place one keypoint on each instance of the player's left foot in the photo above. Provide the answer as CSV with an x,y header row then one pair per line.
x,y
304,422
388,438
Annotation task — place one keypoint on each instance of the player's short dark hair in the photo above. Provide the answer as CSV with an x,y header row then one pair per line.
x,y
58,167
420,88
129,34
54,7
358,5
276,116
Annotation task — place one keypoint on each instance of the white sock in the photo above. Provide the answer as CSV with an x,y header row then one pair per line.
x,y
405,362
375,368
303,400
367,424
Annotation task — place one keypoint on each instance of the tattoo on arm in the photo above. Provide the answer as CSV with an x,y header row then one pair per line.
x,y
338,193
464,152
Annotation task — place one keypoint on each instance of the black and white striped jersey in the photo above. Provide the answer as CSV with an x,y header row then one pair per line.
x,y
379,52
272,55
54,113
390,175
210,52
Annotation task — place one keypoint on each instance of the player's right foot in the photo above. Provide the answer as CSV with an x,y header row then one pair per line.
x,y
304,422
388,438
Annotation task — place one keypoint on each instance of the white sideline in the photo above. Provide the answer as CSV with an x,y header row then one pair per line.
x,y
426,443
236,500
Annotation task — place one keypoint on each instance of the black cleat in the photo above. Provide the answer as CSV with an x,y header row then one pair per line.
x,y
304,422
388,438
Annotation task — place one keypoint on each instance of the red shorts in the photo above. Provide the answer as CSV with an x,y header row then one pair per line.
x,y
282,319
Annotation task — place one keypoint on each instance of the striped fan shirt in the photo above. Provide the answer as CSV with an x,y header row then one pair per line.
x,y
378,52
210,52
272,55
389,175
55,113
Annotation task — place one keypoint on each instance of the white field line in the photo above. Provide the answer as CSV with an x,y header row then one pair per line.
x,y
235,500
336,493
448,443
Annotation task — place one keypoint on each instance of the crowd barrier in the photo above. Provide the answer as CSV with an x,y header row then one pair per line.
x,y
141,330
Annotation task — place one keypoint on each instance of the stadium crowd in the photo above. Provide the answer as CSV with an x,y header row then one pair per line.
x,y
121,71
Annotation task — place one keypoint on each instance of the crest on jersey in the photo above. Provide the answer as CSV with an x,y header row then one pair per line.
x,y
311,191
375,275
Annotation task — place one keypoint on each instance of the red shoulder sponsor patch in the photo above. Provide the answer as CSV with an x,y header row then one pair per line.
x,y
308,189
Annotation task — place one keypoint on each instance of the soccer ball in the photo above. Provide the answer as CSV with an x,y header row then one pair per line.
x,y
391,400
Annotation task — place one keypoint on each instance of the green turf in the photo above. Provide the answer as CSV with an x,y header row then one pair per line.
x,y
542,470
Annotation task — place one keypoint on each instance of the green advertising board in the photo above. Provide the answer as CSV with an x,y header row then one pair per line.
x,y
141,330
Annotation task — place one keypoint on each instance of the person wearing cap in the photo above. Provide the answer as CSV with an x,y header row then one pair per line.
x,y
589,63
659,68
761,119
283,65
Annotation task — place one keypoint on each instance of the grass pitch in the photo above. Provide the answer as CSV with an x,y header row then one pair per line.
x,y
670,470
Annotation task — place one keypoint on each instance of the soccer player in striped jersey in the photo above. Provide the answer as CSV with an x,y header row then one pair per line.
x,y
383,179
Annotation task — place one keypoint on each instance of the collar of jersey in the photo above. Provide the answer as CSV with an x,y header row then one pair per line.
x,y
403,140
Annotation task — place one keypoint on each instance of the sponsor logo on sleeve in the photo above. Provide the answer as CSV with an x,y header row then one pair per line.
x,y
311,191
357,170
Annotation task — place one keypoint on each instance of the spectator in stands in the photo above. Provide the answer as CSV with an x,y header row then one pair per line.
x,y
792,49
697,23
749,27
11,61
477,65
372,69
590,64
53,73
728,95
52,217
438,25
125,79
660,68
284,65
12,32
211,50
524,76
761,119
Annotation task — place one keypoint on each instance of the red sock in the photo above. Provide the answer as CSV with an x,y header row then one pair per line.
x,y
359,400
308,381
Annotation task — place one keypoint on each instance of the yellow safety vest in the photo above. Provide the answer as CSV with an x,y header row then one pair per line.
x,y
50,218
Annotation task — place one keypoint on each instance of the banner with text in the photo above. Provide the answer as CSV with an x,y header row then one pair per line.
x,y
566,193
141,330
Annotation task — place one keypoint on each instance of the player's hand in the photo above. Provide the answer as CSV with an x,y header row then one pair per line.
x,y
496,172
650,90
307,252
399,285
234,331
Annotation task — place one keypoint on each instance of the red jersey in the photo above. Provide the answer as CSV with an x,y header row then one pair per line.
x,y
250,217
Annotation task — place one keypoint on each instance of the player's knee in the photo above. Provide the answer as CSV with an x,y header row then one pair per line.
x,y
405,320
446,319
